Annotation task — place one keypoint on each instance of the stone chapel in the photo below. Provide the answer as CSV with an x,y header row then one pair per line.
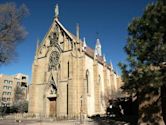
x,y
68,77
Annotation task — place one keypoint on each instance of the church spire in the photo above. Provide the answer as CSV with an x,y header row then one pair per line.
x,y
78,32
56,11
111,65
98,47
84,43
37,47
104,58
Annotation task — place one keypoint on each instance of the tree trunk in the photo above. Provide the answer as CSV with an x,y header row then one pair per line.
x,y
163,102
150,111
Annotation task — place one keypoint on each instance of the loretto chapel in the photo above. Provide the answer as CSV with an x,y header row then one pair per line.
x,y
69,77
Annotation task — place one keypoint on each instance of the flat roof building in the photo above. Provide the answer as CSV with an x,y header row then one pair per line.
x,y
8,85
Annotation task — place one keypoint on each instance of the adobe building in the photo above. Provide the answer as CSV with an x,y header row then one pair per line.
x,y
68,77
8,85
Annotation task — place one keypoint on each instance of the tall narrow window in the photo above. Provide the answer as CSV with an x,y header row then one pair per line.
x,y
99,79
68,68
87,81
59,66
67,99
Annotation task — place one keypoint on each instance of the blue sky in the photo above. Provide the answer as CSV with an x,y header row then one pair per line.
x,y
110,18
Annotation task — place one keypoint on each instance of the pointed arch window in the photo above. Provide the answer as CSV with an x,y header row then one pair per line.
x,y
87,81
67,99
68,68
59,67
99,79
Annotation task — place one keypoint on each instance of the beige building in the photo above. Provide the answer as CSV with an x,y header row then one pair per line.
x,y
68,77
8,84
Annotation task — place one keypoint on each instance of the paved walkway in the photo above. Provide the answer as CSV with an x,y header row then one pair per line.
x,y
64,123
35,122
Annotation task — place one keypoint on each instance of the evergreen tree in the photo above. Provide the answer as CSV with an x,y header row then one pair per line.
x,y
145,73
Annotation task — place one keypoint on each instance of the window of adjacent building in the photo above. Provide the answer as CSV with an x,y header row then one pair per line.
x,y
9,93
10,82
8,99
3,98
23,78
4,93
7,87
5,81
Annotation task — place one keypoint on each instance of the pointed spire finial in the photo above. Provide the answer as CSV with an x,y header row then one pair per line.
x,y
98,47
111,65
84,43
56,11
37,43
116,70
104,58
78,32
95,53
37,47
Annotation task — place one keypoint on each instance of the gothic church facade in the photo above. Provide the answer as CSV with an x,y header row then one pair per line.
x,y
68,77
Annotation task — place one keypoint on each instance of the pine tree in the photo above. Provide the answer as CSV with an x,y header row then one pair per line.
x,y
145,72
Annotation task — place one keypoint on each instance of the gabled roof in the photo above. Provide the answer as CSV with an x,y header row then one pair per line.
x,y
88,51
66,31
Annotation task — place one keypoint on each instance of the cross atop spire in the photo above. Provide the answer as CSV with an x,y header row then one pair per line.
x,y
56,11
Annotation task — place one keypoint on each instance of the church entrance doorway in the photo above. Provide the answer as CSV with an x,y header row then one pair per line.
x,y
52,95
52,110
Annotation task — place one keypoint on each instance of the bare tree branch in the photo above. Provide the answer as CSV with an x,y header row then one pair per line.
x,y
11,30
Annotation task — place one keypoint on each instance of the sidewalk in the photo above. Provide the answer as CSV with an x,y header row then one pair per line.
x,y
64,123
37,122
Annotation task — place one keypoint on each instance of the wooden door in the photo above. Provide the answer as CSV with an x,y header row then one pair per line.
x,y
52,107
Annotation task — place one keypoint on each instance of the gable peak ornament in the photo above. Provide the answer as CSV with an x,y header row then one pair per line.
x,y
56,11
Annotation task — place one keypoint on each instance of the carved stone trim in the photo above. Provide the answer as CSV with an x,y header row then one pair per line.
x,y
54,60
54,38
